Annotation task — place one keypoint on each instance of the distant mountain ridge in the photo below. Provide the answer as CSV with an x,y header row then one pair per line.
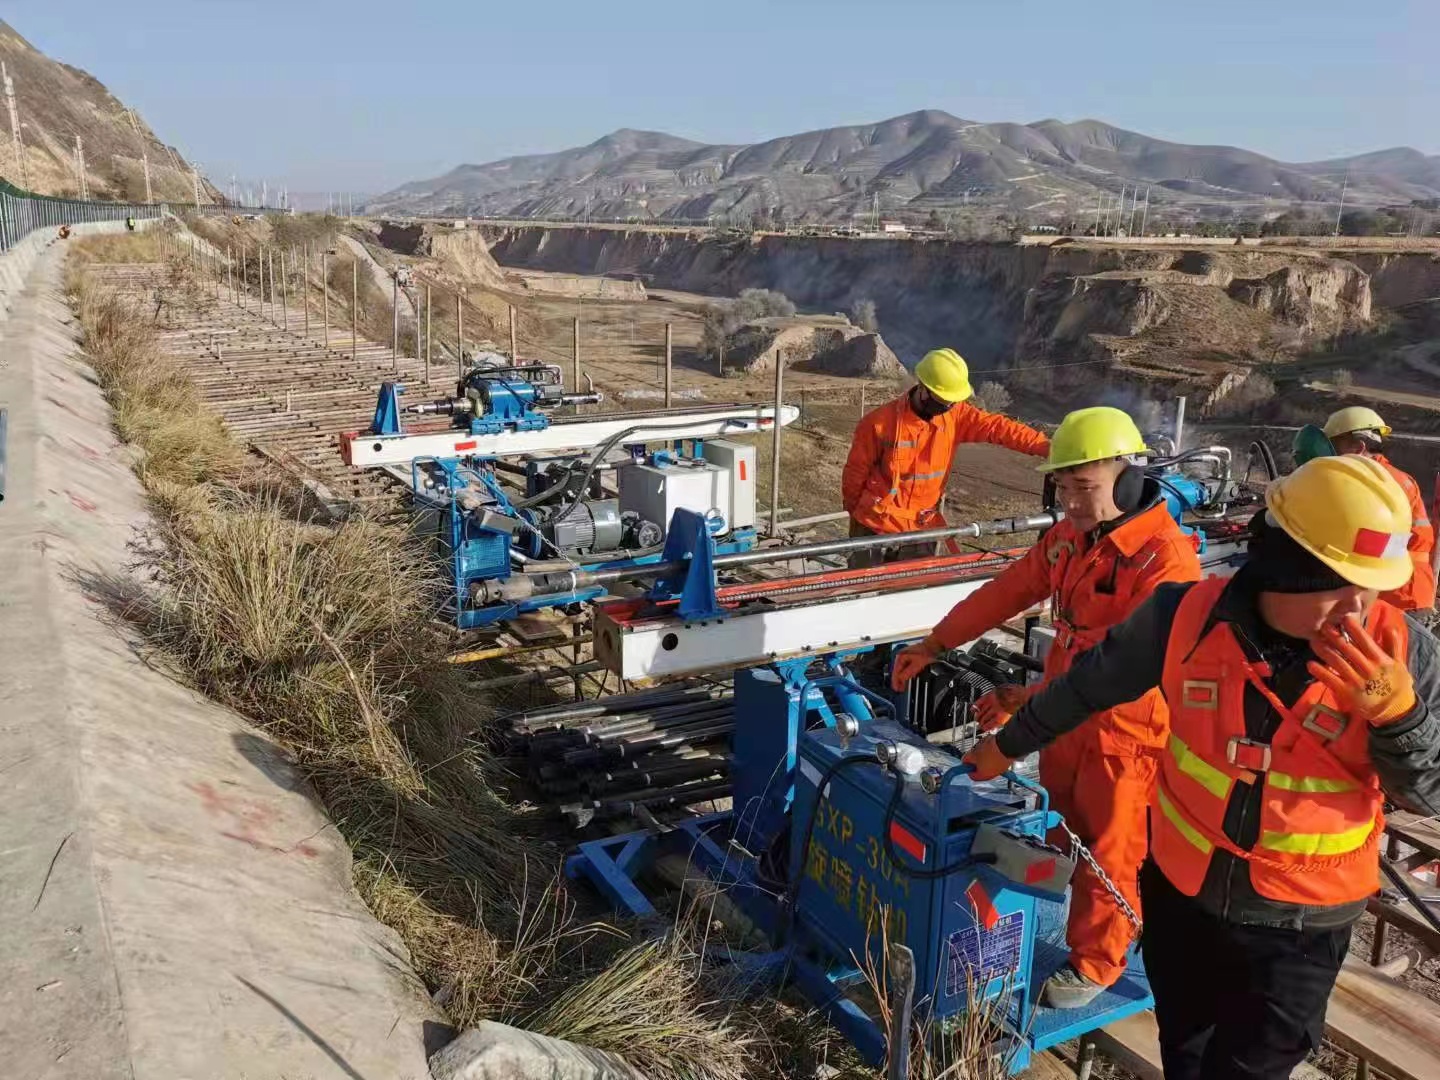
x,y
922,161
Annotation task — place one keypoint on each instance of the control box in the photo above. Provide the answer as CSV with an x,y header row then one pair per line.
x,y
655,492
739,459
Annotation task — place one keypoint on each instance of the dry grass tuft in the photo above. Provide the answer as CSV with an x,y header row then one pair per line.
x,y
157,407
654,1006
147,246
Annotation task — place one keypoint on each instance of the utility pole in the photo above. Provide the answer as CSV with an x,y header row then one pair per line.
x,y
514,341
460,332
429,310
80,167
354,308
395,320
22,170
576,383
144,154
775,446
1338,213
1145,218
195,181
325,292
264,192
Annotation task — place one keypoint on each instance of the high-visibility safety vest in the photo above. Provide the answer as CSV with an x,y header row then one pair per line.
x,y
1320,821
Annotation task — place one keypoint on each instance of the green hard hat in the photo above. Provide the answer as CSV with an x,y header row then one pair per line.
x,y
1311,442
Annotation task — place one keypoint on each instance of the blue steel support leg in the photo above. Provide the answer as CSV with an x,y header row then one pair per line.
x,y
611,865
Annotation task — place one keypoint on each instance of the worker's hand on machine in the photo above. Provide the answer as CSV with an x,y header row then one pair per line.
x,y
986,760
994,710
914,659
1371,678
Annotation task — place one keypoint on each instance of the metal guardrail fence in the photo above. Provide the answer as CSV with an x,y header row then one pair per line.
x,y
21,212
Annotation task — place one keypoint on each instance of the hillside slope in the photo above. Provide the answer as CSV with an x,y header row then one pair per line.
x,y
918,162
56,102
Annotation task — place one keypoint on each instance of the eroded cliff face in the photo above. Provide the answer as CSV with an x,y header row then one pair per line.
x,y
1196,311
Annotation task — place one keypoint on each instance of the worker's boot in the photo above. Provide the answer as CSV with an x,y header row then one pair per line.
x,y
1068,989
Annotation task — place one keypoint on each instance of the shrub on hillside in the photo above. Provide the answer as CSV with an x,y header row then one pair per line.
x,y
862,314
1254,392
992,397
724,318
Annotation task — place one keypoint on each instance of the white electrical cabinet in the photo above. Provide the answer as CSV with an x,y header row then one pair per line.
x,y
655,492
739,459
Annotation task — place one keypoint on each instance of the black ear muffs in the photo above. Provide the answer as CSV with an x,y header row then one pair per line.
x,y
1130,488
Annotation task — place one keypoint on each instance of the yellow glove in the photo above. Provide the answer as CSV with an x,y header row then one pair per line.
x,y
987,760
913,660
1370,678
995,709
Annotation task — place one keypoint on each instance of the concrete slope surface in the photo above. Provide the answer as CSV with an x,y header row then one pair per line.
x,y
173,906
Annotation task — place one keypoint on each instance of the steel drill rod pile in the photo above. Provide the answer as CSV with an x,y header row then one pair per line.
x,y
652,749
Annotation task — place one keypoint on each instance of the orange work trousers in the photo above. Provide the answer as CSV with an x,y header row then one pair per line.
x,y
1104,798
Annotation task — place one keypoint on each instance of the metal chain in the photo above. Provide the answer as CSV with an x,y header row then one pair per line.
x,y
1077,846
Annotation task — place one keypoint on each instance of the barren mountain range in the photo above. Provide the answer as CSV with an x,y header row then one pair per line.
x,y
56,102
915,163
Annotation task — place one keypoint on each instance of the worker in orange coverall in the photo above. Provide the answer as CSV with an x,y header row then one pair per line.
x,y
899,460
1116,543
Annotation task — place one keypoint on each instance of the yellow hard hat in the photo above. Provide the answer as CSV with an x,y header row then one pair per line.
x,y
1355,418
1349,513
1094,434
945,374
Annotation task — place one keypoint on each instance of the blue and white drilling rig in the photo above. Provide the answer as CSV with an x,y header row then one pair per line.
x,y
509,480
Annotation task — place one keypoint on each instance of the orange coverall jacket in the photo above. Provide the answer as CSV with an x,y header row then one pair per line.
x,y
1419,591
1100,776
898,461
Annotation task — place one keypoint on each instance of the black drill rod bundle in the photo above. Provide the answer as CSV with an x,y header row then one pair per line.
x,y
655,748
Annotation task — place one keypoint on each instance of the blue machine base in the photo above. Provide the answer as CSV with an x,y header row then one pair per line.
x,y
474,618
1051,1027
614,864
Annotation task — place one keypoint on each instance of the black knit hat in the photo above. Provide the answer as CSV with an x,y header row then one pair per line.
x,y
1278,564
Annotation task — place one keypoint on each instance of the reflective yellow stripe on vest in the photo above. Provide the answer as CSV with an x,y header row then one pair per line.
x,y
1198,769
1311,785
922,476
1178,820
1318,843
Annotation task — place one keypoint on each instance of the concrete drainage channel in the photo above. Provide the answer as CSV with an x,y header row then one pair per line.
x,y
175,905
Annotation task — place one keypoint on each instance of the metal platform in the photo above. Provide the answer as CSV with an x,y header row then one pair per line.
x,y
1051,1027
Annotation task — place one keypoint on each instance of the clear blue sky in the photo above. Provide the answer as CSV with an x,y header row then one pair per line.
x,y
362,95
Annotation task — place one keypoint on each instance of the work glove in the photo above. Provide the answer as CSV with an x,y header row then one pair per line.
x,y
912,660
1369,677
993,710
986,760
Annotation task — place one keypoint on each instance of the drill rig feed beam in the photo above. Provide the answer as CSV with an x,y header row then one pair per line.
x,y
571,434
789,617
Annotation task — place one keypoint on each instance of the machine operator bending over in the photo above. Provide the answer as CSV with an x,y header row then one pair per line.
x,y
1299,702
902,452
1116,543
